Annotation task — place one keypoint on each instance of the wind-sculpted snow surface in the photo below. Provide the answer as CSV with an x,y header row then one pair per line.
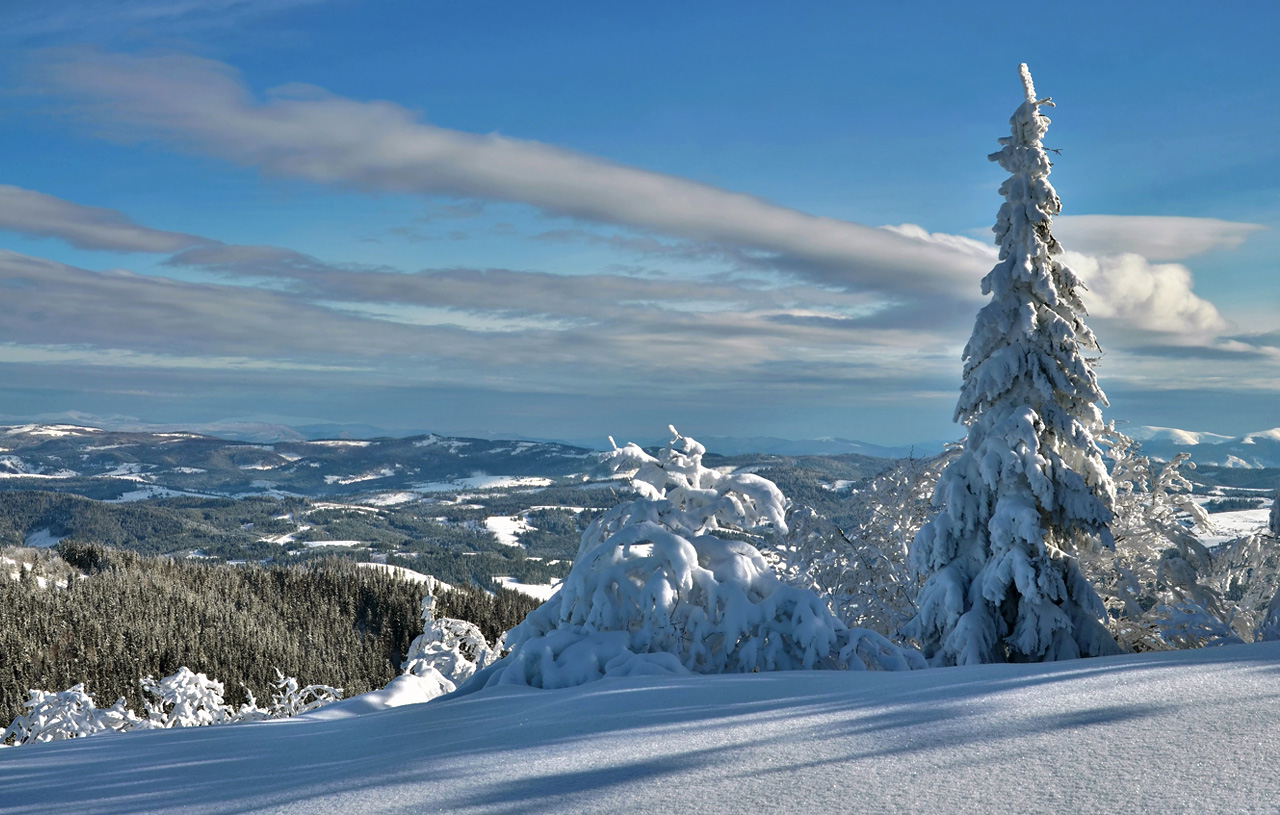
x,y
654,591
1174,732
1030,488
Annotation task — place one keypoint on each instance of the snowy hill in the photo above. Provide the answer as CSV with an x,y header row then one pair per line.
x,y
1251,451
1187,732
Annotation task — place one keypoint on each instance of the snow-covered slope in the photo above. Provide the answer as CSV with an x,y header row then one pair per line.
x,y
1180,732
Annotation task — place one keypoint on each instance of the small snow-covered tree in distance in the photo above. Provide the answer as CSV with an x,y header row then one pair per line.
x,y
1030,487
448,651
1274,522
289,699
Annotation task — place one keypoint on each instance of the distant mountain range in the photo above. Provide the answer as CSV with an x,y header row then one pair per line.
x,y
739,446
1250,451
112,464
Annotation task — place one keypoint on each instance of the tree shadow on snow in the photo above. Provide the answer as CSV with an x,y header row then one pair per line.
x,y
525,750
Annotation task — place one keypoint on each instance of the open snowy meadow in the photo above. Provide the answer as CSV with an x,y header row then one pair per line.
x,y
1175,732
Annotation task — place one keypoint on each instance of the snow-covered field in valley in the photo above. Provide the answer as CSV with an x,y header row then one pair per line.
x,y
1176,732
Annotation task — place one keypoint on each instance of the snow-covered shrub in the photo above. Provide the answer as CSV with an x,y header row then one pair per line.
x,y
184,699
289,700
668,583
1246,576
1029,490
863,571
448,651
66,714
1157,577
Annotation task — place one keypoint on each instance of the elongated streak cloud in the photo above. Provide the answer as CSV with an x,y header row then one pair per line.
x,y
303,132
39,215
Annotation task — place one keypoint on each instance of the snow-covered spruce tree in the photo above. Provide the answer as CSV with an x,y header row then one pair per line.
x,y
1029,487
668,583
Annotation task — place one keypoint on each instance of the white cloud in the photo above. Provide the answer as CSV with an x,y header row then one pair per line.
x,y
36,214
202,105
1135,293
1155,237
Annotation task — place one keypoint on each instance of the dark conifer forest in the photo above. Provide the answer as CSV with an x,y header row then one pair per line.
x,y
123,616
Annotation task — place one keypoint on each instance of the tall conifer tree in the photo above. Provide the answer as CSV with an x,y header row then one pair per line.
x,y
1030,486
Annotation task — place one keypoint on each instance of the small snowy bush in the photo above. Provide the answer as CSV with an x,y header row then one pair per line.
x,y
863,571
448,651
290,700
184,699
66,714
667,584
1156,579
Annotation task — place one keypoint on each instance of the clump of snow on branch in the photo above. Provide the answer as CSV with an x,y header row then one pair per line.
x,y
448,651
1029,490
670,583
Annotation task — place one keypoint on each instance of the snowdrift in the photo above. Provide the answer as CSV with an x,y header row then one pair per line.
x,y
1187,731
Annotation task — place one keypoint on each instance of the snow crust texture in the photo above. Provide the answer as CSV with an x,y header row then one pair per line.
x,y
1030,488
1177,732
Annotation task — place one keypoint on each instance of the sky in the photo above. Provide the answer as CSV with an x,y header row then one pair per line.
x,y
571,220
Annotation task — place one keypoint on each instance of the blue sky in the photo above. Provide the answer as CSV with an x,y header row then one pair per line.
x,y
569,220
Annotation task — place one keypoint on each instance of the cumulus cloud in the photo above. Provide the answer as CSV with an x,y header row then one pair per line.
x,y
304,132
1136,293
1155,237
39,215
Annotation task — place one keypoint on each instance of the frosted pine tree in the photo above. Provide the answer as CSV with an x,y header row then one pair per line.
x,y
1030,486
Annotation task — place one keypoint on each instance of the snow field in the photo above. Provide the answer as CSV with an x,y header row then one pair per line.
x,y
1176,732
538,591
